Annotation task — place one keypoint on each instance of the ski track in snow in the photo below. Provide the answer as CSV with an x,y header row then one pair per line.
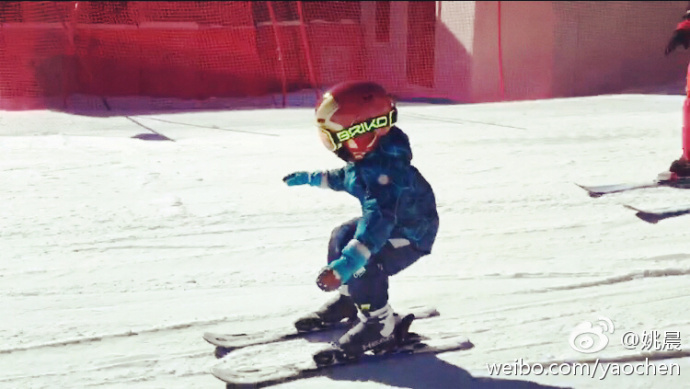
x,y
623,278
119,253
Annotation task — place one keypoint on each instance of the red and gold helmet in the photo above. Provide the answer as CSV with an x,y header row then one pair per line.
x,y
352,116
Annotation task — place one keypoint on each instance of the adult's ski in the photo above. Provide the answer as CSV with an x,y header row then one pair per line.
x,y
600,190
655,215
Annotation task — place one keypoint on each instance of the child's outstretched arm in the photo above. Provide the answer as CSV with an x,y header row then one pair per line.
x,y
332,179
304,178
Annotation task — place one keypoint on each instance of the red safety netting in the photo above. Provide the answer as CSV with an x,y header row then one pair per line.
x,y
459,51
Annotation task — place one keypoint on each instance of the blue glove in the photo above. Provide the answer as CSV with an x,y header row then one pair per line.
x,y
354,257
303,178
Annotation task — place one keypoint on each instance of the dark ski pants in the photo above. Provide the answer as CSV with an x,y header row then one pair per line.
x,y
369,289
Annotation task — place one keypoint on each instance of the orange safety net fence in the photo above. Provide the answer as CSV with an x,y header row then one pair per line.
x,y
457,51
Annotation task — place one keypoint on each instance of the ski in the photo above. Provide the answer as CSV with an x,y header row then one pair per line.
x,y
273,364
600,190
654,216
226,343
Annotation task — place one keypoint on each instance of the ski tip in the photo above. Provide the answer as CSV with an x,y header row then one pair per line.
x,y
209,337
631,207
590,192
646,216
223,337
451,342
217,371
463,342
237,378
220,340
423,311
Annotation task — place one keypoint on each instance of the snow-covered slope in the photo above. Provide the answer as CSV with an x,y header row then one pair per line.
x,y
118,253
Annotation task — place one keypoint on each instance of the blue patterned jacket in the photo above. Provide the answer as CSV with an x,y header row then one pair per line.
x,y
397,202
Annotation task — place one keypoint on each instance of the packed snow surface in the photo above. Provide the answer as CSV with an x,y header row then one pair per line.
x,y
119,253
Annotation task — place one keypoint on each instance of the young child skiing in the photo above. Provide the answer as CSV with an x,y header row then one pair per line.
x,y
399,220
681,36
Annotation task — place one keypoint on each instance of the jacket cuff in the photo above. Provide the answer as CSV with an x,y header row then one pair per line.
x,y
355,256
355,248
319,179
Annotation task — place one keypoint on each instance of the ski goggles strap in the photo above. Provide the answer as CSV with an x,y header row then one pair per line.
x,y
335,140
